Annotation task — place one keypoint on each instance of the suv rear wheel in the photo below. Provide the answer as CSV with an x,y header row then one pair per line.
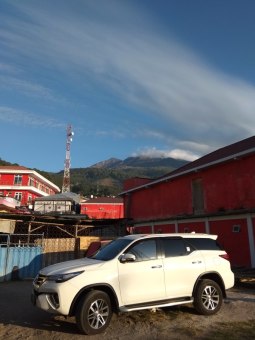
x,y
94,312
208,297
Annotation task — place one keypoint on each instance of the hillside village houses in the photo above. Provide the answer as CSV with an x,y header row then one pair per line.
x,y
53,230
24,185
20,186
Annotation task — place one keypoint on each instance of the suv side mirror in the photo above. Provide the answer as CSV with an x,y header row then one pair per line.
x,y
127,258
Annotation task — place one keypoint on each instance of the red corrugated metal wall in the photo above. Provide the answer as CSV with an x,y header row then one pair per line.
x,y
143,230
228,186
164,228
165,199
235,243
103,211
198,227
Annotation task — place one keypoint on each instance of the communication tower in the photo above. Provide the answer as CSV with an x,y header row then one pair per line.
x,y
66,179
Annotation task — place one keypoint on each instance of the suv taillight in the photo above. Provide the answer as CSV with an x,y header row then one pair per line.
x,y
225,256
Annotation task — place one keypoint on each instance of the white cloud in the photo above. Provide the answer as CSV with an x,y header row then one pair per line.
x,y
108,133
197,148
24,87
182,154
156,153
147,70
4,67
19,117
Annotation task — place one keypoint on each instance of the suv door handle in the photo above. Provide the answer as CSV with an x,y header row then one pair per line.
x,y
194,262
158,266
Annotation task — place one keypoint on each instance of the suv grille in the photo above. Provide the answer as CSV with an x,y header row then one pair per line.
x,y
39,280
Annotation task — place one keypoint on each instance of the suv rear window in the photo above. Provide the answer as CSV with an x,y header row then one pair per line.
x,y
204,243
173,247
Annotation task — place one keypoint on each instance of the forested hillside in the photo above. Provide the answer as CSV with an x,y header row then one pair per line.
x,y
106,178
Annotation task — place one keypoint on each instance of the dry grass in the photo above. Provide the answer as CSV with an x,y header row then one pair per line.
x,y
233,331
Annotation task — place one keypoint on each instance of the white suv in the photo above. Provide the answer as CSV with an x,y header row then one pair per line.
x,y
136,272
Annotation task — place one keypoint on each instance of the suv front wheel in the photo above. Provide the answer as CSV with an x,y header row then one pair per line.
x,y
94,312
208,297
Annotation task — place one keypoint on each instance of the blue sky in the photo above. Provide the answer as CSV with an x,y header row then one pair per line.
x,y
134,77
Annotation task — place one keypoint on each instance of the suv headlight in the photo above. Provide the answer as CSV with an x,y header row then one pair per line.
x,y
63,277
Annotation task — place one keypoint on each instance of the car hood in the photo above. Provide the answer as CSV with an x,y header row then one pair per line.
x,y
71,266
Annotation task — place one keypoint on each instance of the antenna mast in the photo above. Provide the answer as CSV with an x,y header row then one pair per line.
x,y
66,179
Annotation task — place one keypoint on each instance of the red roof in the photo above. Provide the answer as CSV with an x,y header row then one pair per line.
x,y
13,167
231,151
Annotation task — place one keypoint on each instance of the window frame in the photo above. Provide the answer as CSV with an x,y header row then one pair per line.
x,y
18,179
144,240
18,196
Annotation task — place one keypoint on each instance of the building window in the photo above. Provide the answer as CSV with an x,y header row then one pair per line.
x,y
17,179
197,196
18,196
31,182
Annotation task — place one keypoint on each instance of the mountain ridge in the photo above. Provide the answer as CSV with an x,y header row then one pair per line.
x,y
106,178
140,161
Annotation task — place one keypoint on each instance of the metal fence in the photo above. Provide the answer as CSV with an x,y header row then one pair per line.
x,y
21,256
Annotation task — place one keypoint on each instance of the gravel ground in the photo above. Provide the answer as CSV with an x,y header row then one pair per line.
x,y
19,319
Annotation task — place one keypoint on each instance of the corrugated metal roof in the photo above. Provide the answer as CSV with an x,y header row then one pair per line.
x,y
65,196
226,152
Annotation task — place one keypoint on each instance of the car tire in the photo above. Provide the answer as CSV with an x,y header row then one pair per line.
x,y
94,312
208,297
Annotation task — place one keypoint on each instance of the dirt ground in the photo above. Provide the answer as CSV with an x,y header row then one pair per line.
x,y
19,319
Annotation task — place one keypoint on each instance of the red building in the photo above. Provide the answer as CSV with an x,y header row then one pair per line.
x,y
24,184
103,208
214,194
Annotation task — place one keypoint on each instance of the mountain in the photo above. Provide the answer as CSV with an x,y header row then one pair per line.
x,y
5,163
106,178
110,163
143,162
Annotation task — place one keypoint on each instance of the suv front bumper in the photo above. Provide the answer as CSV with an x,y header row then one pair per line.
x,y
46,301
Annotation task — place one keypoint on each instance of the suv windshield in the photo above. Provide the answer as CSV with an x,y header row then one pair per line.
x,y
111,249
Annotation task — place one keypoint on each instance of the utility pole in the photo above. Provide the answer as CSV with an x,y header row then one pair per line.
x,y
66,179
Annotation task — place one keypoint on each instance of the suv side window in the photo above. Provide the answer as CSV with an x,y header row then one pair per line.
x,y
174,247
144,250
204,243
